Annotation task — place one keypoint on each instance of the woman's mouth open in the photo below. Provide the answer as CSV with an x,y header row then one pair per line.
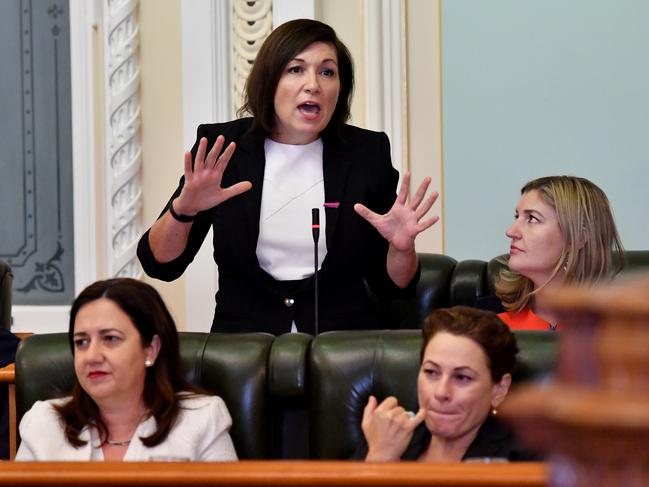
x,y
309,110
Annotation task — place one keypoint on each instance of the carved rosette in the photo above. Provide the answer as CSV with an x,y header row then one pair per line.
x,y
253,21
123,145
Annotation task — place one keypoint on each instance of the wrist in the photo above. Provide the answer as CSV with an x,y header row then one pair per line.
x,y
374,456
180,215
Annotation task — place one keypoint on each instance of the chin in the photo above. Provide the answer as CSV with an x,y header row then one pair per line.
x,y
443,429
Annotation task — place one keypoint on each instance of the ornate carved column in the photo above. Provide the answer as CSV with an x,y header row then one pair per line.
x,y
252,21
123,146
593,418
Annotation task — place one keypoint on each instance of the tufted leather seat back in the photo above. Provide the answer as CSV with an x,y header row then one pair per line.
x,y
347,367
231,366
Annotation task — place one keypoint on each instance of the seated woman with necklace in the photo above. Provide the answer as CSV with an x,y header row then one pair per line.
x,y
563,233
130,400
467,360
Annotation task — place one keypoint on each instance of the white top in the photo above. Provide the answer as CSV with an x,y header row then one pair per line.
x,y
293,185
200,433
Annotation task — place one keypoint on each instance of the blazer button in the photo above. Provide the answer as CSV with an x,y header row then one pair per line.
x,y
288,302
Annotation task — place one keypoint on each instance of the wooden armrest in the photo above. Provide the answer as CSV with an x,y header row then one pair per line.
x,y
8,374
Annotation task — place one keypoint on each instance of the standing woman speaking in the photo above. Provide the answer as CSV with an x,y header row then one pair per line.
x,y
256,179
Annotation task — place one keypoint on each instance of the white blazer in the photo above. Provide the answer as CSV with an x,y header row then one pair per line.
x,y
200,433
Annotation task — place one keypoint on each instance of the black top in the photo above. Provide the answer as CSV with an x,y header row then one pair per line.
x,y
493,440
490,302
357,169
8,345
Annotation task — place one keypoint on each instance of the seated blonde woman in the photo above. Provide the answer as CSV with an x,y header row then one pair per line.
x,y
130,400
563,233
467,360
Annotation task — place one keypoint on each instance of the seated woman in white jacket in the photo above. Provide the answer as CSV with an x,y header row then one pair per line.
x,y
130,400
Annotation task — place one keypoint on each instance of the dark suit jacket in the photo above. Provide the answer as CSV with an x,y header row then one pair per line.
x,y
357,169
494,440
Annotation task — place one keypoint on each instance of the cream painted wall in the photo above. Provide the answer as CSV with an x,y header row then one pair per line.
x,y
423,86
424,108
162,146
346,17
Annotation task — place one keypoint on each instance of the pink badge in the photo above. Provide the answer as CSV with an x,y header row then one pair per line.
x,y
334,204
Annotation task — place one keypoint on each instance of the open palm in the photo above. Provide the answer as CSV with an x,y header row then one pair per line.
x,y
403,222
202,189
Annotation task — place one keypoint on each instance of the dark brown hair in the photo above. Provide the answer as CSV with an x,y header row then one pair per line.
x,y
483,327
282,45
164,378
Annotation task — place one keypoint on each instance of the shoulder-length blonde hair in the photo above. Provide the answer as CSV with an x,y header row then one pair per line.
x,y
588,228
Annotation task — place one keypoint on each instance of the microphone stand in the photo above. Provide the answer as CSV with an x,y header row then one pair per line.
x,y
315,229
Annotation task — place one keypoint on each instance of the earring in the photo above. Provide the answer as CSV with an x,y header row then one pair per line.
x,y
494,412
148,363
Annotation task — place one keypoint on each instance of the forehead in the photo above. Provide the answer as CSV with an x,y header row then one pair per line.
x,y
453,351
320,51
533,201
100,314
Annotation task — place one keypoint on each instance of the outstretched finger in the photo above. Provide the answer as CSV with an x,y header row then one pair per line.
x,y
365,212
419,195
402,197
213,155
417,419
423,209
427,224
222,162
188,165
236,189
200,154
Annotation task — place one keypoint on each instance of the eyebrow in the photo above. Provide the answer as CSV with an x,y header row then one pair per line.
x,y
103,331
299,59
530,212
455,369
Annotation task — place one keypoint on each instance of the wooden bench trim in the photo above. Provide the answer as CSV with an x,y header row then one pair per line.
x,y
277,473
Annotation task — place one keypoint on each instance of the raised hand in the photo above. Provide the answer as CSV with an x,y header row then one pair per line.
x,y
388,429
202,189
401,225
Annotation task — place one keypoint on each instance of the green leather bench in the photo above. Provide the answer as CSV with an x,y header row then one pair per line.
x,y
290,396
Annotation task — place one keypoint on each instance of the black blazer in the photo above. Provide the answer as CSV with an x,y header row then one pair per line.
x,y
357,169
494,440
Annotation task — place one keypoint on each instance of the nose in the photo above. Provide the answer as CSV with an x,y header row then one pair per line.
x,y
311,84
513,232
94,353
443,390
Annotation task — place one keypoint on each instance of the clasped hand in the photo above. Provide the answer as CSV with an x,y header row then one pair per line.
x,y
401,225
388,429
202,189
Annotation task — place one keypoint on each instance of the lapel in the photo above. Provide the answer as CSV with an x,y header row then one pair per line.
x,y
250,167
336,164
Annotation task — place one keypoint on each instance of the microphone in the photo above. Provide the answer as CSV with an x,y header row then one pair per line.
x,y
315,230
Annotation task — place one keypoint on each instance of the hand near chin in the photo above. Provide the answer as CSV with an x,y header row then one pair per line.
x,y
202,189
388,429
401,225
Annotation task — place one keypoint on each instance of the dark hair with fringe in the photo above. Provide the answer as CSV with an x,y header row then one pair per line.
x,y
483,327
282,45
164,379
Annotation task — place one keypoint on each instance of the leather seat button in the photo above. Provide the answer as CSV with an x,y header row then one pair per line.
x,y
288,302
